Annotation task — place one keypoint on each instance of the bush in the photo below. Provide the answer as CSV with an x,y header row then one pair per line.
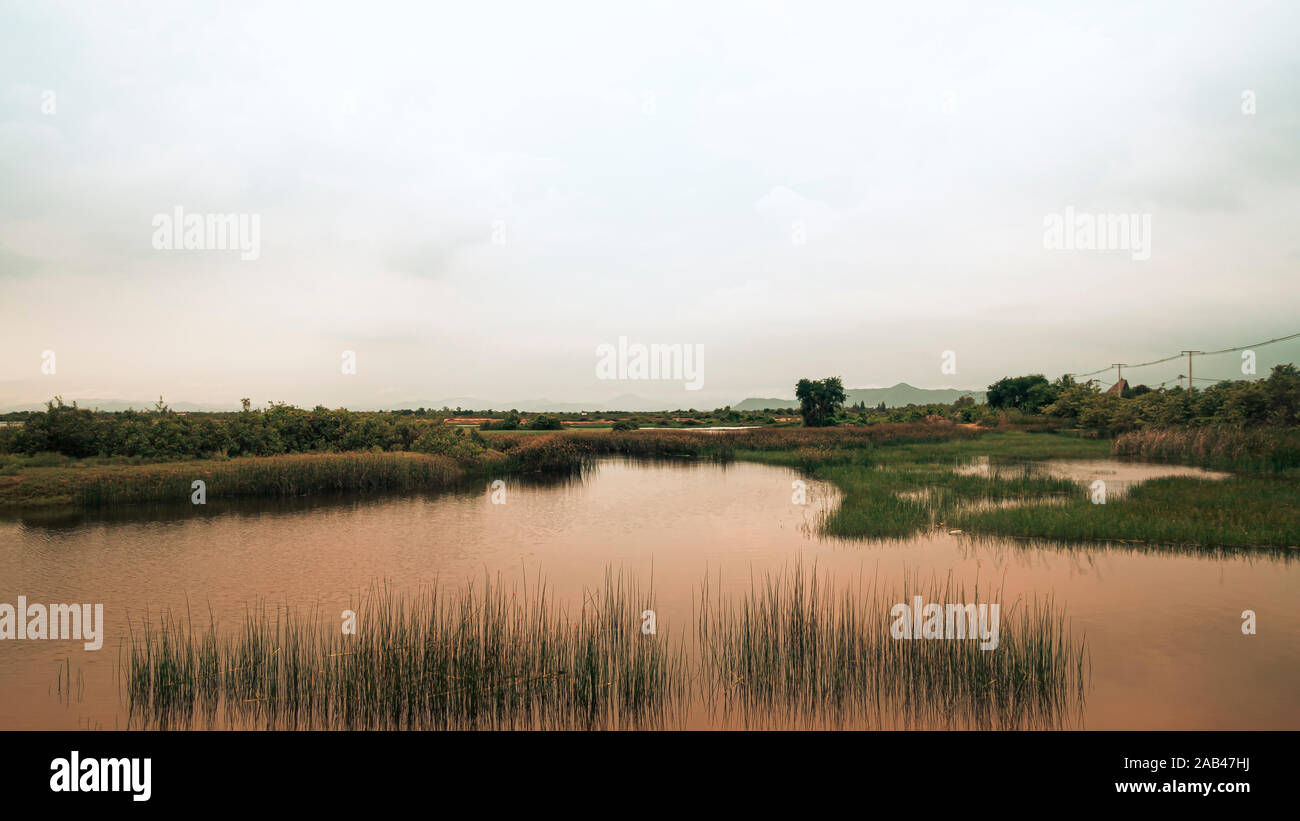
x,y
544,422
446,440
511,422
47,459
162,435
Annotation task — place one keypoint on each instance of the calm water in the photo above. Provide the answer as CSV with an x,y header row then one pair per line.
x,y
1163,627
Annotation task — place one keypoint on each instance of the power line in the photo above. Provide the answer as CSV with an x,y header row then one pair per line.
x,y
1180,355
1139,365
1256,345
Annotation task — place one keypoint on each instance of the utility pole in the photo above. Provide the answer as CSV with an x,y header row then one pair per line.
x,y
1119,371
1191,386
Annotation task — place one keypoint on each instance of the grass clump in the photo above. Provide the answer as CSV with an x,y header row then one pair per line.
x,y
1234,512
485,657
270,476
482,658
795,646
1274,450
896,502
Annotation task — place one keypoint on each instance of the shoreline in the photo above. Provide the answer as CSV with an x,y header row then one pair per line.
x,y
895,481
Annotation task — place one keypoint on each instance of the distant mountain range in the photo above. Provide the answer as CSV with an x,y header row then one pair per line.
x,y
898,396
626,402
124,404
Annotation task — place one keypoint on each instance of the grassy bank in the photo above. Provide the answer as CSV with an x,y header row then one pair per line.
x,y
1240,450
896,502
1235,512
896,479
50,479
903,488
97,485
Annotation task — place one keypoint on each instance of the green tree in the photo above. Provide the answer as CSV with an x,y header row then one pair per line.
x,y
1025,393
1283,391
511,422
819,400
543,422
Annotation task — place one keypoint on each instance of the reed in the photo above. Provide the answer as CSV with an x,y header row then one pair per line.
x,y
271,476
797,647
88,483
724,444
898,501
485,657
1244,450
1238,512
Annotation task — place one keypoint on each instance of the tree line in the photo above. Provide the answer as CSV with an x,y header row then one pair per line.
x,y
1272,401
279,429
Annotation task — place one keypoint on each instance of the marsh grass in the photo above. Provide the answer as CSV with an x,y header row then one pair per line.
x,y
95,483
272,476
490,658
1237,512
999,547
903,488
796,646
485,657
724,444
895,502
1273,450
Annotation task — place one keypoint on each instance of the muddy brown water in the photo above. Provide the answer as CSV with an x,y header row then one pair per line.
x,y
1162,626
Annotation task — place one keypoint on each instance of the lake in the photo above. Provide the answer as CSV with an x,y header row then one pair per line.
x,y
1162,626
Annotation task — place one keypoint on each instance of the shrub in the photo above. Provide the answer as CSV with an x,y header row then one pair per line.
x,y
511,422
544,422
447,440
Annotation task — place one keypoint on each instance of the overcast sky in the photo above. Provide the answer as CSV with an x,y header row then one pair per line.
x,y
805,190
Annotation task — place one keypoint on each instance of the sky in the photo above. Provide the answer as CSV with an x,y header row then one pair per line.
x,y
472,198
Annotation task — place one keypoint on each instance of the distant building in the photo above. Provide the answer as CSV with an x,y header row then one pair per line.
x,y
1119,387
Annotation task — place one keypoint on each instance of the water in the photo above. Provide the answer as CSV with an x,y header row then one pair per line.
x,y
1118,476
1163,627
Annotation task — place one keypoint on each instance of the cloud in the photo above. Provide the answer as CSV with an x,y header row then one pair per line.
x,y
645,169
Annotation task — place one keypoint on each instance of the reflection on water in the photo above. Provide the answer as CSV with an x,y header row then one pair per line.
x,y
1118,476
1162,627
